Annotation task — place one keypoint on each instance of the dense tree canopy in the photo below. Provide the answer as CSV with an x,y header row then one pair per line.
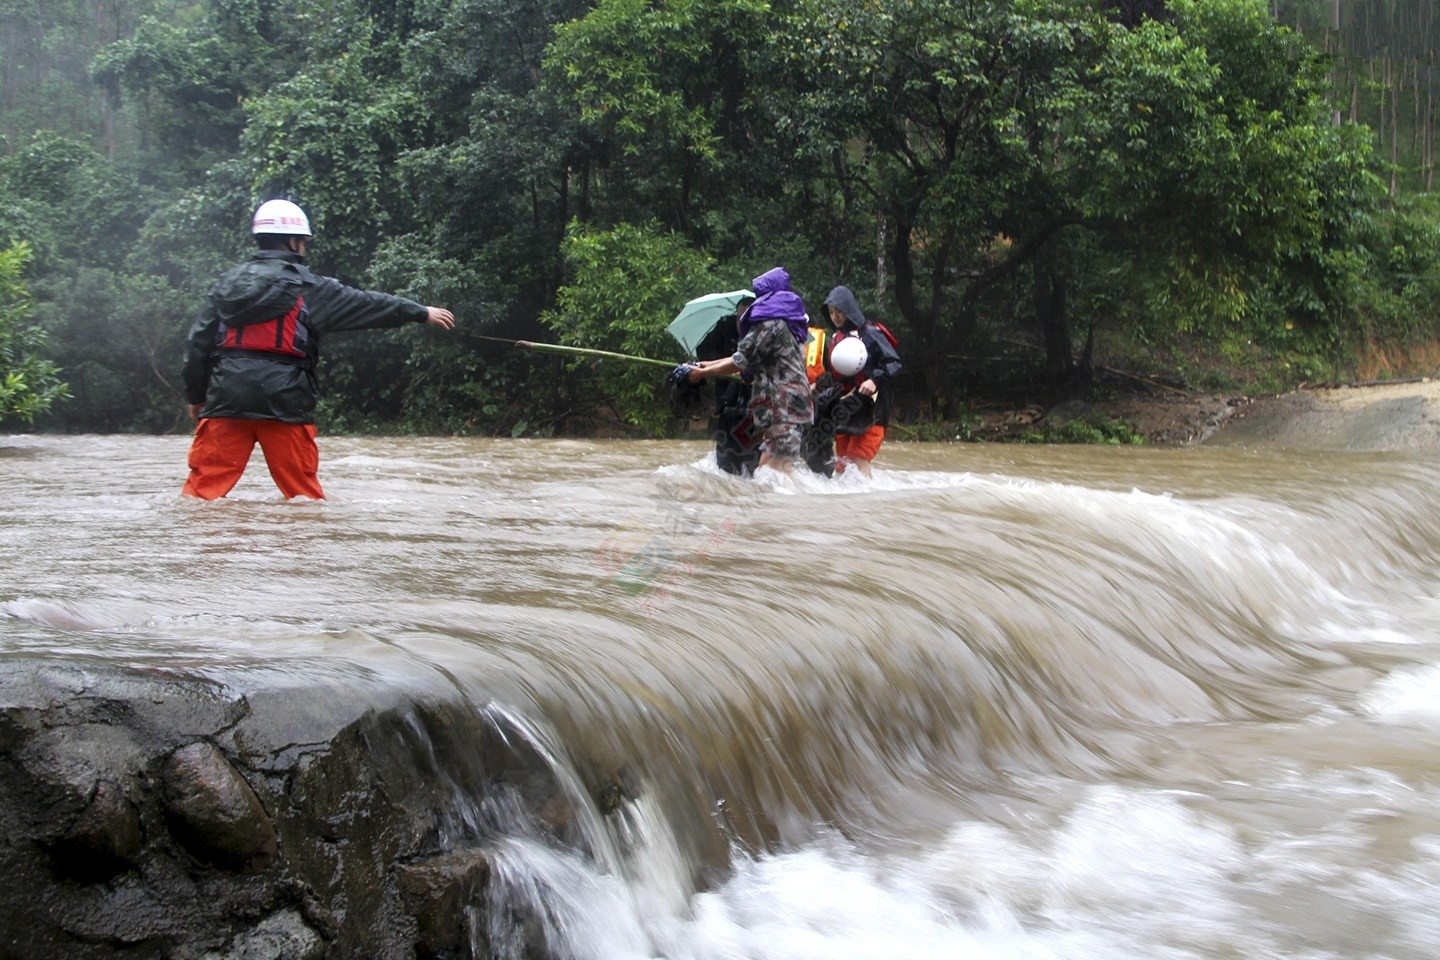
x,y
1045,172
28,382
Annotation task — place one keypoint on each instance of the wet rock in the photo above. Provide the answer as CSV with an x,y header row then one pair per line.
x,y
283,936
104,840
557,813
77,780
124,913
439,893
157,815
215,812
317,915
65,764
1067,411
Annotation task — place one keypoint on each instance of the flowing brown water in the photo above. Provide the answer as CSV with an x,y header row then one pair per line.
x,y
999,702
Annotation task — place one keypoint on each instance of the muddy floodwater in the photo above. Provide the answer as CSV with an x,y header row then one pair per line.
x,y
999,701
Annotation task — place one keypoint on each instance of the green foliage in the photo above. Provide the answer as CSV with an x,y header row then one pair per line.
x,y
1382,77
1411,255
78,206
623,65
474,393
1179,170
1394,283
963,429
1089,429
118,333
1272,194
29,383
626,285
331,138
678,105
192,73
46,49
44,169
998,170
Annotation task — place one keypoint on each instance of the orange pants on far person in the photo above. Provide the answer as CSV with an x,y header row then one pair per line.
x,y
863,447
222,447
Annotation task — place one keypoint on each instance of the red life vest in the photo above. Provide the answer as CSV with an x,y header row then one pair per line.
x,y
885,330
287,335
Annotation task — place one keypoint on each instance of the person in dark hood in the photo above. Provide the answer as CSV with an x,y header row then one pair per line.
x,y
769,357
250,357
859,405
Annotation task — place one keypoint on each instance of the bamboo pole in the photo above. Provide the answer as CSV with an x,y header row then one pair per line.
x,y
581,352
573,351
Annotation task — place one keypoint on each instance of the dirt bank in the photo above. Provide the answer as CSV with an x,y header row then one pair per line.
x,y
1393,416
1400,416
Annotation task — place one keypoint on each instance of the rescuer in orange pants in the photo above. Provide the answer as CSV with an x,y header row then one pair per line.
x,y
250,357
222,448
861,410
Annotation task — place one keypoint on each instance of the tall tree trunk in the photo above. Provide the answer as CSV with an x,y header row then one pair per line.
x,y
107,123
1415,88
1430,126
1394,126
927,351
1048,295
1334,71
1384,93
881,226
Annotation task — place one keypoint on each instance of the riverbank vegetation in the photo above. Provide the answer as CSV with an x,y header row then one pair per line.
x,y
1044,199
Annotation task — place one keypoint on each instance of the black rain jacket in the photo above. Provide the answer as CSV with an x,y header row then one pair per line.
x,y
251,385
855,414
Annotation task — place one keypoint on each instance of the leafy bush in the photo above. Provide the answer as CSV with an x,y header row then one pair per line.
x,y
626,284
29,383
1087,429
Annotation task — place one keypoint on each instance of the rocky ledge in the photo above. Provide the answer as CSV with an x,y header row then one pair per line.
x,y
165,813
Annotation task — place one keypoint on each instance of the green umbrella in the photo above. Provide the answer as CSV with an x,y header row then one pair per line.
x,y
698,317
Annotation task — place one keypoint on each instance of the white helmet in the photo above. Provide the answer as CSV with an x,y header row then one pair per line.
x,y
849,356
282,217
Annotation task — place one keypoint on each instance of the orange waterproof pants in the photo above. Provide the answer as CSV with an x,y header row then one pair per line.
x,y
222,448
863,447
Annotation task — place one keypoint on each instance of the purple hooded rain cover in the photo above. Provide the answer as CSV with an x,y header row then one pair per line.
x,y
774,300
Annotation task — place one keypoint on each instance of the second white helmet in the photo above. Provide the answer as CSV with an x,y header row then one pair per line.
x,y
848,356
280,217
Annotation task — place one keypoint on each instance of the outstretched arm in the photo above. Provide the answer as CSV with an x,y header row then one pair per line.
x,y
712,368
